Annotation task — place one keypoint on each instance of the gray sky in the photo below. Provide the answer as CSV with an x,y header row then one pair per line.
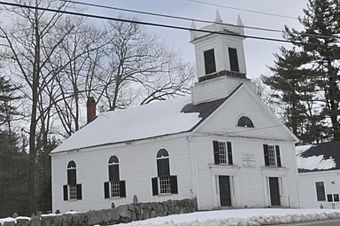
x,y
259,54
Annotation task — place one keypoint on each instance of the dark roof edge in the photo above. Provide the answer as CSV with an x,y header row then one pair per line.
x,y
225,99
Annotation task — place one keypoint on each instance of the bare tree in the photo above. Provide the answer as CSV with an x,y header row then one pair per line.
x,y
31,44
140,69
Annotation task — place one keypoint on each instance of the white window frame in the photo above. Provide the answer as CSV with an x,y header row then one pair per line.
x,y
72,190
115,188
164,185
222,153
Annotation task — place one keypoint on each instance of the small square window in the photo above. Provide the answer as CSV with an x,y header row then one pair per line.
x,y
336,197
329,198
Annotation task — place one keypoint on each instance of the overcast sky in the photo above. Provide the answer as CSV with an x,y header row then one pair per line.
x,y
259,54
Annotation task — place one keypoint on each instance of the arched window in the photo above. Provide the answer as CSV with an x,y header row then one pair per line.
x,y
244,121
163,168
114,187
72,190
167,183
113,168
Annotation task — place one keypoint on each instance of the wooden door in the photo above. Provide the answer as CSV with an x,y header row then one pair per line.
x,y
274,191
225,195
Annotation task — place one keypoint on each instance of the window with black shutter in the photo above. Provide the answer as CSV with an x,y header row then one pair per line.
x,y
114,187
320,191
164,183
72,191
233,60
209,61
222,153
272,155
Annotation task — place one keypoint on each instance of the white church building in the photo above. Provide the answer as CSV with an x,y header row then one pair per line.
x,y
221,146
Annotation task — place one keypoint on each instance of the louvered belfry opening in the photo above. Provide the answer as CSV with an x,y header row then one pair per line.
x,y
209,61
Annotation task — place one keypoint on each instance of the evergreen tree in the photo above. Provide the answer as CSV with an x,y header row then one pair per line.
x,y
13,162
291,80
319,41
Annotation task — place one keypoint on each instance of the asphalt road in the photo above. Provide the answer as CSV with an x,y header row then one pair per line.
x,y
318,223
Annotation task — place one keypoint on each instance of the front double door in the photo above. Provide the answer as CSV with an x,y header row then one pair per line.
x,y
225,194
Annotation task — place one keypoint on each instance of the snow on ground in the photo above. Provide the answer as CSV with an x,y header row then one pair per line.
x,y
240,217
312,162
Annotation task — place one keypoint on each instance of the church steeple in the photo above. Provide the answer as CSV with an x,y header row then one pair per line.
x,y
219,57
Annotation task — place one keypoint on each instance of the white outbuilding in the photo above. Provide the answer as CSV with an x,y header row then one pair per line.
x,y
221,145
319,175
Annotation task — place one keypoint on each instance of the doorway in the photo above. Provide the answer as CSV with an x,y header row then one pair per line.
x,y
274,191
225,194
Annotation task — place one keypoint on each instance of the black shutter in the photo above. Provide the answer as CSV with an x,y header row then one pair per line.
x,y
230,153
154,186
106,190
233,60
65,188
163,168
122,189
216,152
278,156
173,185
209,61
79,192
266,154
71,177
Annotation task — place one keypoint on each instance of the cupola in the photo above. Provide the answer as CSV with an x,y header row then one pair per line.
x,y
220,59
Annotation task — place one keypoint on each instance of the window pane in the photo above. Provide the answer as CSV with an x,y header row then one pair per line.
x,y
164,184
113,159
320,191
336,197
162,153
244,121
222,153
71,165
73,191
115,189
329,198
271,155
209,61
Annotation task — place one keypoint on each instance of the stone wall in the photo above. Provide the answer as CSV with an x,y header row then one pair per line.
x,y
120,214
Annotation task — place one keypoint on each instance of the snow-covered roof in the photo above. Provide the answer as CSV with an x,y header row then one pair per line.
x,y
135,123
321,157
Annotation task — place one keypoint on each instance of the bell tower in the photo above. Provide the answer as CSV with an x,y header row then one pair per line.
x,y
220,60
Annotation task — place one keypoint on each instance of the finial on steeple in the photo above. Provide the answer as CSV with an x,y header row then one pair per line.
x,y
193,33
240,24
218,18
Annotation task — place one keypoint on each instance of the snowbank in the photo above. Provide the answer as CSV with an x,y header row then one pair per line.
x,y
241,217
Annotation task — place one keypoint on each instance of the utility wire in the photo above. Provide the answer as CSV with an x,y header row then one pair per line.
x,y
143,23
169,16
227,33
189,19
245,10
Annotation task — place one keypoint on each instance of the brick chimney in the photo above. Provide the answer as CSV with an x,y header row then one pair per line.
x,y
91,109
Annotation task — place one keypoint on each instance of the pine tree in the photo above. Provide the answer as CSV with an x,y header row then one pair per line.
x,y
290,79
319,40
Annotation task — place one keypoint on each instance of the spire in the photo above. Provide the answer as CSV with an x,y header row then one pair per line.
x,y
193,33
218,18
240,23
